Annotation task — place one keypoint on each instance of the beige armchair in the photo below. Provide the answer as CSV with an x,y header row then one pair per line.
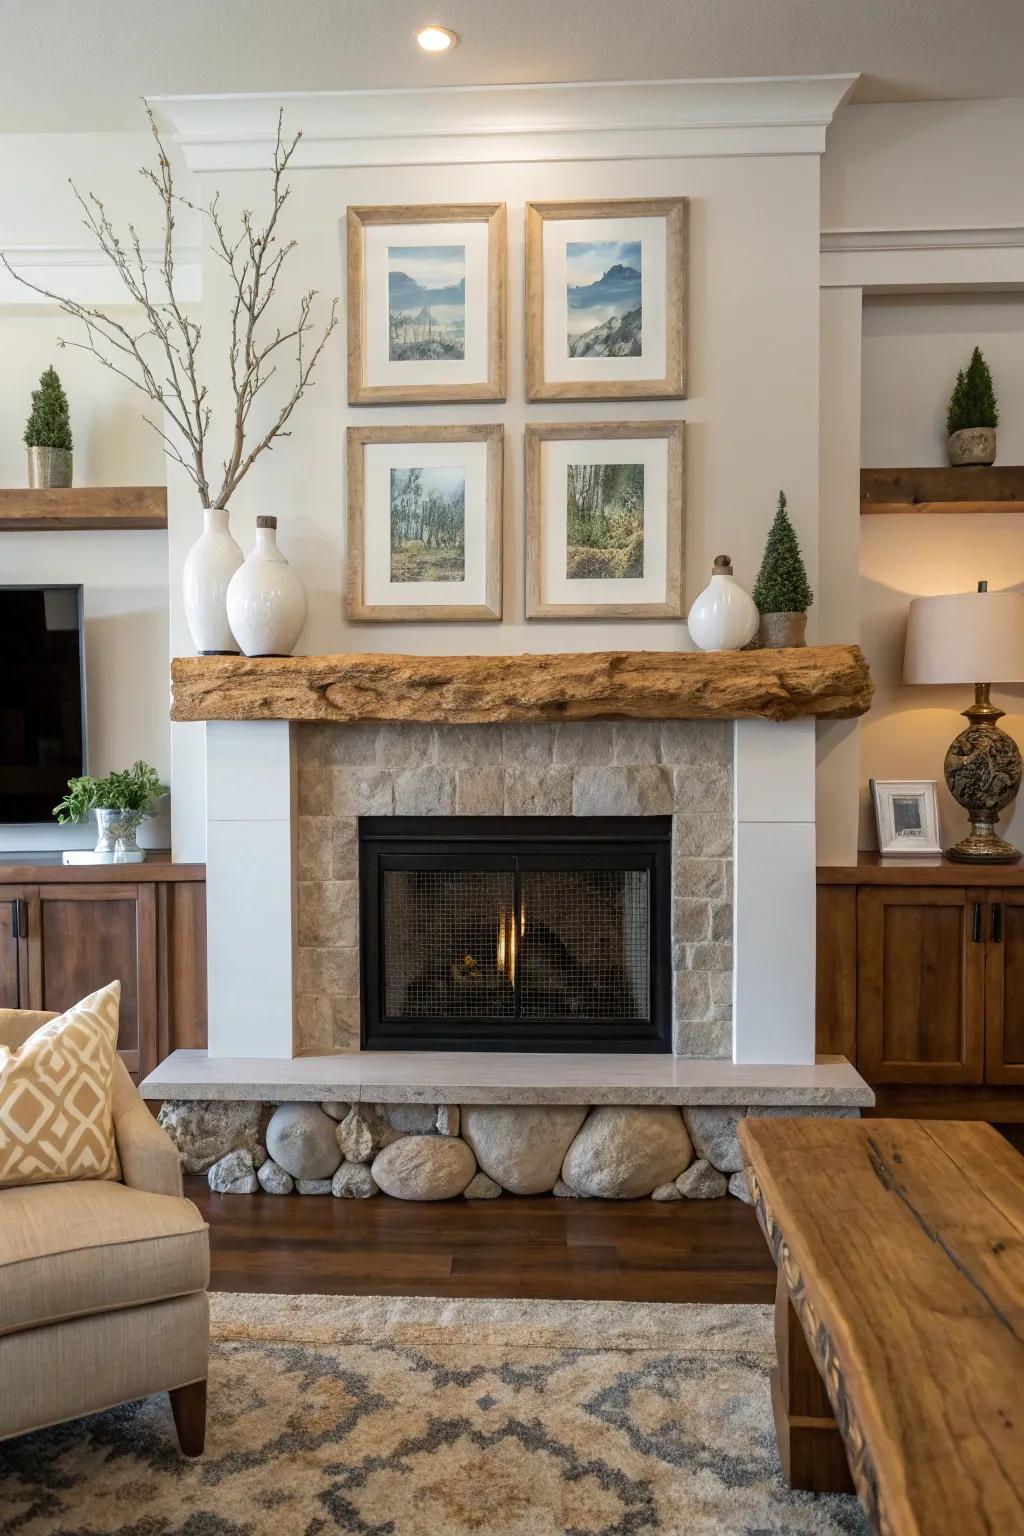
x,y
103,1285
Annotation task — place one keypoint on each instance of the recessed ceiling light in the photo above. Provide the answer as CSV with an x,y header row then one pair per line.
x,y
435,39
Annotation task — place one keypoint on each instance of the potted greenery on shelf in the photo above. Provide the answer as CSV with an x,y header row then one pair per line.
x,y
782,592
48,434
121,802
973,414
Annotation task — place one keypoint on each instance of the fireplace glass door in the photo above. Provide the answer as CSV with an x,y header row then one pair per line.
x,y
531,933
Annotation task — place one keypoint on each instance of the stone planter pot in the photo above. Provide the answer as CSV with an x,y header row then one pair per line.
x,y
973,445
778,630
49,468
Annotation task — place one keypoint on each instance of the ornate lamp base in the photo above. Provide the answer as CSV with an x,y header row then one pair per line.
x,y
983,771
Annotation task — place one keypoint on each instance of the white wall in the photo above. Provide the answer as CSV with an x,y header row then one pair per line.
x,y
912,348
752,412
924,165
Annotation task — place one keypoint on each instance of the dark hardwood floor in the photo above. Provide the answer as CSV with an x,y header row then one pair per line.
x,y
633,1250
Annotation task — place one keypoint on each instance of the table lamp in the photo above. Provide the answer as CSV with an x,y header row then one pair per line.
x,y
959,639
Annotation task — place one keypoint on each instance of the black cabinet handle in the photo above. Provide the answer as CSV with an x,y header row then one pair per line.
x,y
997,922
15,919
976,928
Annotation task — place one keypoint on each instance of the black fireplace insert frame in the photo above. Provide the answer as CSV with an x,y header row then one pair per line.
x,y
526,843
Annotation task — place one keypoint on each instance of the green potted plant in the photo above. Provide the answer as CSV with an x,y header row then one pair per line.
x,y
121,801
782,592
48,434
973,414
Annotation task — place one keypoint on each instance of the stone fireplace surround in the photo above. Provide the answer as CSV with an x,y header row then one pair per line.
x,y
680,768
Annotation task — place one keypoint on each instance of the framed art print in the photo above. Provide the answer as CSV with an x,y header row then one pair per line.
x,y
426,303
604,520
906,815
606,300
424,523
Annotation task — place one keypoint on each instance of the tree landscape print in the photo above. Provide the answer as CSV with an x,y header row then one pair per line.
x,y
604,525
426,303
604,305
428,524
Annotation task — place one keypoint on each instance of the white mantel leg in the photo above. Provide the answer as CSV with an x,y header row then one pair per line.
x,y
250,912
775,892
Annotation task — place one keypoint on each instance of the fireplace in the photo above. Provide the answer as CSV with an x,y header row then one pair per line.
x,y
536,933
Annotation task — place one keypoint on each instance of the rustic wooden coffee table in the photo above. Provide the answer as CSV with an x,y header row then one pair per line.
x,y
899,1316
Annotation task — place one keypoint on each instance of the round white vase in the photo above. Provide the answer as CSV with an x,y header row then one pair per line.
x,y
724,617
266,600
209,566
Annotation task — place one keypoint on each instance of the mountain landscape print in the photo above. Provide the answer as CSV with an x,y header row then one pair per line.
x,y
426,303
604,300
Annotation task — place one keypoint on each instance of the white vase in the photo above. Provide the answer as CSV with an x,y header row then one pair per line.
x,y
266,600
724,617
209,566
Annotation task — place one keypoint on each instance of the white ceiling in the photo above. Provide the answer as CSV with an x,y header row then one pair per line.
x,y
83,64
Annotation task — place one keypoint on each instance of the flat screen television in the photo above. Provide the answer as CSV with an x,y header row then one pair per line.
x,y
42,699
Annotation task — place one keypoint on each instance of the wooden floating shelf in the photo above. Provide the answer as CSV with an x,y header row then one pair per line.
x,y
83,507
968,488
831,682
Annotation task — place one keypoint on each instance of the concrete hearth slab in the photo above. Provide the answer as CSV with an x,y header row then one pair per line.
x,y
486,1077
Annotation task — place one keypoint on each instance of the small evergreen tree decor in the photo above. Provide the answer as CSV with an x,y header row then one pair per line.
x,y
49,423
782,585
973,401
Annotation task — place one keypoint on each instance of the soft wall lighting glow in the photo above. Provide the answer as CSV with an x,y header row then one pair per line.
x,y
436,39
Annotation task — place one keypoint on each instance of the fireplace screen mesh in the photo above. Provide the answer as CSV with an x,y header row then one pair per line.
x,y
543,944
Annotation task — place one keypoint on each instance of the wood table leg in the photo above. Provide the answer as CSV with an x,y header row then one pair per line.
x,y
188,1404
810,1445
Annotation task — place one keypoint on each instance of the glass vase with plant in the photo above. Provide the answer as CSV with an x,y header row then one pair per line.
x,y
121,801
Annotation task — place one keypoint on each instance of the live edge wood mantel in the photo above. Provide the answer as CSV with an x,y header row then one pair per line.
x,y
831,682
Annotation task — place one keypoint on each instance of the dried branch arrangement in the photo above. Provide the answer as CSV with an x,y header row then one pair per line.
x,y
161,357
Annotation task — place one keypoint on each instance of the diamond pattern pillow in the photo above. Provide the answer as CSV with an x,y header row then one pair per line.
x,y
56,1120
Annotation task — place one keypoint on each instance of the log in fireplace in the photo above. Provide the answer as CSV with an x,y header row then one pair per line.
x,y
516,933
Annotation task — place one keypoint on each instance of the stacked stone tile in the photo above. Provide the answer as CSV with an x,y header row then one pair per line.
x,y
680,768
415,1151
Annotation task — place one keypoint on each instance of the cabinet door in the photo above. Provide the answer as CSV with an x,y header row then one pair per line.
x,y
80,938
921,985
13,948
1004,987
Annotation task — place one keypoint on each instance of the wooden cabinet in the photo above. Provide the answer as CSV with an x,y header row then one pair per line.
x,y
67,932
920,985
1004,988
921,972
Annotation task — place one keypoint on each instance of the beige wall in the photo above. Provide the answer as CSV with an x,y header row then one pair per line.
x,y
911,350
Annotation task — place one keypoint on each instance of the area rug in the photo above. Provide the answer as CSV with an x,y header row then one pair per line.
x,y
417,1417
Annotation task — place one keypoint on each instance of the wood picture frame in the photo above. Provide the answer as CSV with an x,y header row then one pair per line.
x,y
665,378
907,817
540,601
481,543
367,370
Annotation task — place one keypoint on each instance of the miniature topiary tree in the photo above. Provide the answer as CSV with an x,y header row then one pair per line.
x,y
782,585
973,401
49,424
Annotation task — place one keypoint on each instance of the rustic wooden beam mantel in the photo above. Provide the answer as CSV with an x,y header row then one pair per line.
x,y
831,682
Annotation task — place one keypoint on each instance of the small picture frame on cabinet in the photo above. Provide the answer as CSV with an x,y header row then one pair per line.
x,y
906,816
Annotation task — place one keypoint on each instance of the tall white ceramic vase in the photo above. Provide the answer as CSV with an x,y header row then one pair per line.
x,y
266,600
724,617
209,566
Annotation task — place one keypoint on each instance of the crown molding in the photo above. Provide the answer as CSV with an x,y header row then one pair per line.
x,y
949,258
598,120
83,273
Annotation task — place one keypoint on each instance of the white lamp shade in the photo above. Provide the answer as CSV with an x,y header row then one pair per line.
x,y
970,637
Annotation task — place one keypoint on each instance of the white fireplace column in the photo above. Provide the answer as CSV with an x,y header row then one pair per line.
x,y
775,895
250,911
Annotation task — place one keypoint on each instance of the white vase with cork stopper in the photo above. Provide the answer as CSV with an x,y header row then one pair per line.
x,y
724,617
266,601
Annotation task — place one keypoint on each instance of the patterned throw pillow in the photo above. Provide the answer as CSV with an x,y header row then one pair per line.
x,y
56,1120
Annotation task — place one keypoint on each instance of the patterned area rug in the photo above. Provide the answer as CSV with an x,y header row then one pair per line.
x,y
418,1417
